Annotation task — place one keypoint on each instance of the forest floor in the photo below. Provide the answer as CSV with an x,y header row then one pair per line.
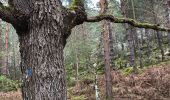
x,y
151,84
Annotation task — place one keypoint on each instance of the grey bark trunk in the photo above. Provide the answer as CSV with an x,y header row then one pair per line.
x,y
140,50
129,32
168,18
41,48
132,48
111,46
147,33
160,44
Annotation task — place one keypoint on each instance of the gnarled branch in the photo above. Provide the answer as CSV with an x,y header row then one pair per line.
x,y
11,15
78,11
128,21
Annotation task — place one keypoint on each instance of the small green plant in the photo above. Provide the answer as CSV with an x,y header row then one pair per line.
x,y
7,84
128,70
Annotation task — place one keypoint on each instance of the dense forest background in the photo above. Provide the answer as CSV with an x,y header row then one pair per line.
x,y
131,49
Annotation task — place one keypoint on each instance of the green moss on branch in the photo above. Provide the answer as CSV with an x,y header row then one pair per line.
x,y
128,21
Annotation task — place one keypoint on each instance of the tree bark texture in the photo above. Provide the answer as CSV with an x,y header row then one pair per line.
x,y
43,27
42,53
107,50
107,60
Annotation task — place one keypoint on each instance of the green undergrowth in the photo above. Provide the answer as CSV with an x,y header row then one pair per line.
x,y
7,84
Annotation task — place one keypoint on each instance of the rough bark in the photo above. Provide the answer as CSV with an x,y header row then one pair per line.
x,y
43,27
41,51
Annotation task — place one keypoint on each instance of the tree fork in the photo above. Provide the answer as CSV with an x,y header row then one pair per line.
x,y
43,27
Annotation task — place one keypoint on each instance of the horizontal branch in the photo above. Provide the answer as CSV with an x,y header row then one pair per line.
x,y
128,21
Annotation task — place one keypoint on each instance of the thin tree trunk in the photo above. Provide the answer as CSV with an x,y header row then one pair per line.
x,y
134,39
140,51
1,48
147,33
106,31
107,61
160,44
14,60
158,34
111,46
130,31
5,68
77,66
168,18
132,48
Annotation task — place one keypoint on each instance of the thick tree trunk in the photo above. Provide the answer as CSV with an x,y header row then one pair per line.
x,y
43,27
42,63
41,48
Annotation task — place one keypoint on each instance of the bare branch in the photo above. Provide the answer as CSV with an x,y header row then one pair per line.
x,y
128,21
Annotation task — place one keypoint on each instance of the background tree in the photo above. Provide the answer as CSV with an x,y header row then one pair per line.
x,y
43,27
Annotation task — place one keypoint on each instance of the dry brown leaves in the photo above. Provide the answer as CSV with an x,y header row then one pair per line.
x,y
11,96
153,84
